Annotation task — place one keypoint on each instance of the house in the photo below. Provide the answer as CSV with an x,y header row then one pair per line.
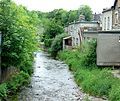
x,y
108,40
107,19
75,32
116,15
111,17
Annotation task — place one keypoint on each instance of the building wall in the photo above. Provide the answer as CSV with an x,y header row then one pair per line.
x,y
75,28
73,31
107,20
116,16
108,49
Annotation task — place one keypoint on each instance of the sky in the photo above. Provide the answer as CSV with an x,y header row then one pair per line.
x,y
49,5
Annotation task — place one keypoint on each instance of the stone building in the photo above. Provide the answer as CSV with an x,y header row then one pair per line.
x,y
116,15
111,17
75,32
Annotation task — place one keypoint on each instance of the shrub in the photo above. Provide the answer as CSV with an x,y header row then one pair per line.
x,y
89,53
17,81
57,44
48,42
3,90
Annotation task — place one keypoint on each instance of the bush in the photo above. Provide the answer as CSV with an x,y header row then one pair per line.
x,y
89,53
57,44
3,90
48,42
17,81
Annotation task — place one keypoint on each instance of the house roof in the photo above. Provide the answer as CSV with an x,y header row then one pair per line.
x,y
107,10
67,37
115,3
84,22
112,7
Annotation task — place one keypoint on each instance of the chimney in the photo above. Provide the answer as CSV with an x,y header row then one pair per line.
x,y
81,18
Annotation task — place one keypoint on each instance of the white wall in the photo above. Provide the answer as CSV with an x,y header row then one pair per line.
x,y
107,20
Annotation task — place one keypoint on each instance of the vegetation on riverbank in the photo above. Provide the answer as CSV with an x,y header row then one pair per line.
x,y
92,79
12,86
19,41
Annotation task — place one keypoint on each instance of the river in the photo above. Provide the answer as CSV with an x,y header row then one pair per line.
x,y
51,81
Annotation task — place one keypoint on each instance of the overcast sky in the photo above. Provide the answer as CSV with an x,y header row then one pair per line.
x,y
49,5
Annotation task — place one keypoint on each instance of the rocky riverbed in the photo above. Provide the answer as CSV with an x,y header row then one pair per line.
x,y
52,81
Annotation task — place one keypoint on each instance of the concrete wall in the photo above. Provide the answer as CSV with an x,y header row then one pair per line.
x,y
88,34
108,49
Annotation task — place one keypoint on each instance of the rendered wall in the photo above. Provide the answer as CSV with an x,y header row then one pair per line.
x,y
108,49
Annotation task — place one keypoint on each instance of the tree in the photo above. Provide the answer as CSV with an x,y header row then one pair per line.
x,y
19,35
86,11
52,29
57,44
72,16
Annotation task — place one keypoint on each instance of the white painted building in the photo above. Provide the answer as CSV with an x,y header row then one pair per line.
x,y
107,19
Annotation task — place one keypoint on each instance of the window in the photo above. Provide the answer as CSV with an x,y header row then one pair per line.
x,y
105,23
108,24
116,17
73,41
77,41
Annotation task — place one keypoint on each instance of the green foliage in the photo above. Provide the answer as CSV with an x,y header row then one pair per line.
x,y
19,35
52,29
48,42
3,90
14,84
72,16
92,80
96,82
59,15
89,53
85,56
17,81
57,44
114,94
86,11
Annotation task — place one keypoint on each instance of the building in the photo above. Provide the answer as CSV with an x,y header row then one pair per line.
x,y
75,32
116,15
111,17
107,19
108,40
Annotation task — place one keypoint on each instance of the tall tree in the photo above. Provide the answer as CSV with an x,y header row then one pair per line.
x,y
86,11
19,35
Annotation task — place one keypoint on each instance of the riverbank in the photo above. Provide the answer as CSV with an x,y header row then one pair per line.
x,y
13,85
92,80
51,81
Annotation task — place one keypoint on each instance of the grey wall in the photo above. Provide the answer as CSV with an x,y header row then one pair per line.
x,y
108,49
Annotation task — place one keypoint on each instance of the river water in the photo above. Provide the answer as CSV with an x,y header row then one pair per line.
x,y
51,81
